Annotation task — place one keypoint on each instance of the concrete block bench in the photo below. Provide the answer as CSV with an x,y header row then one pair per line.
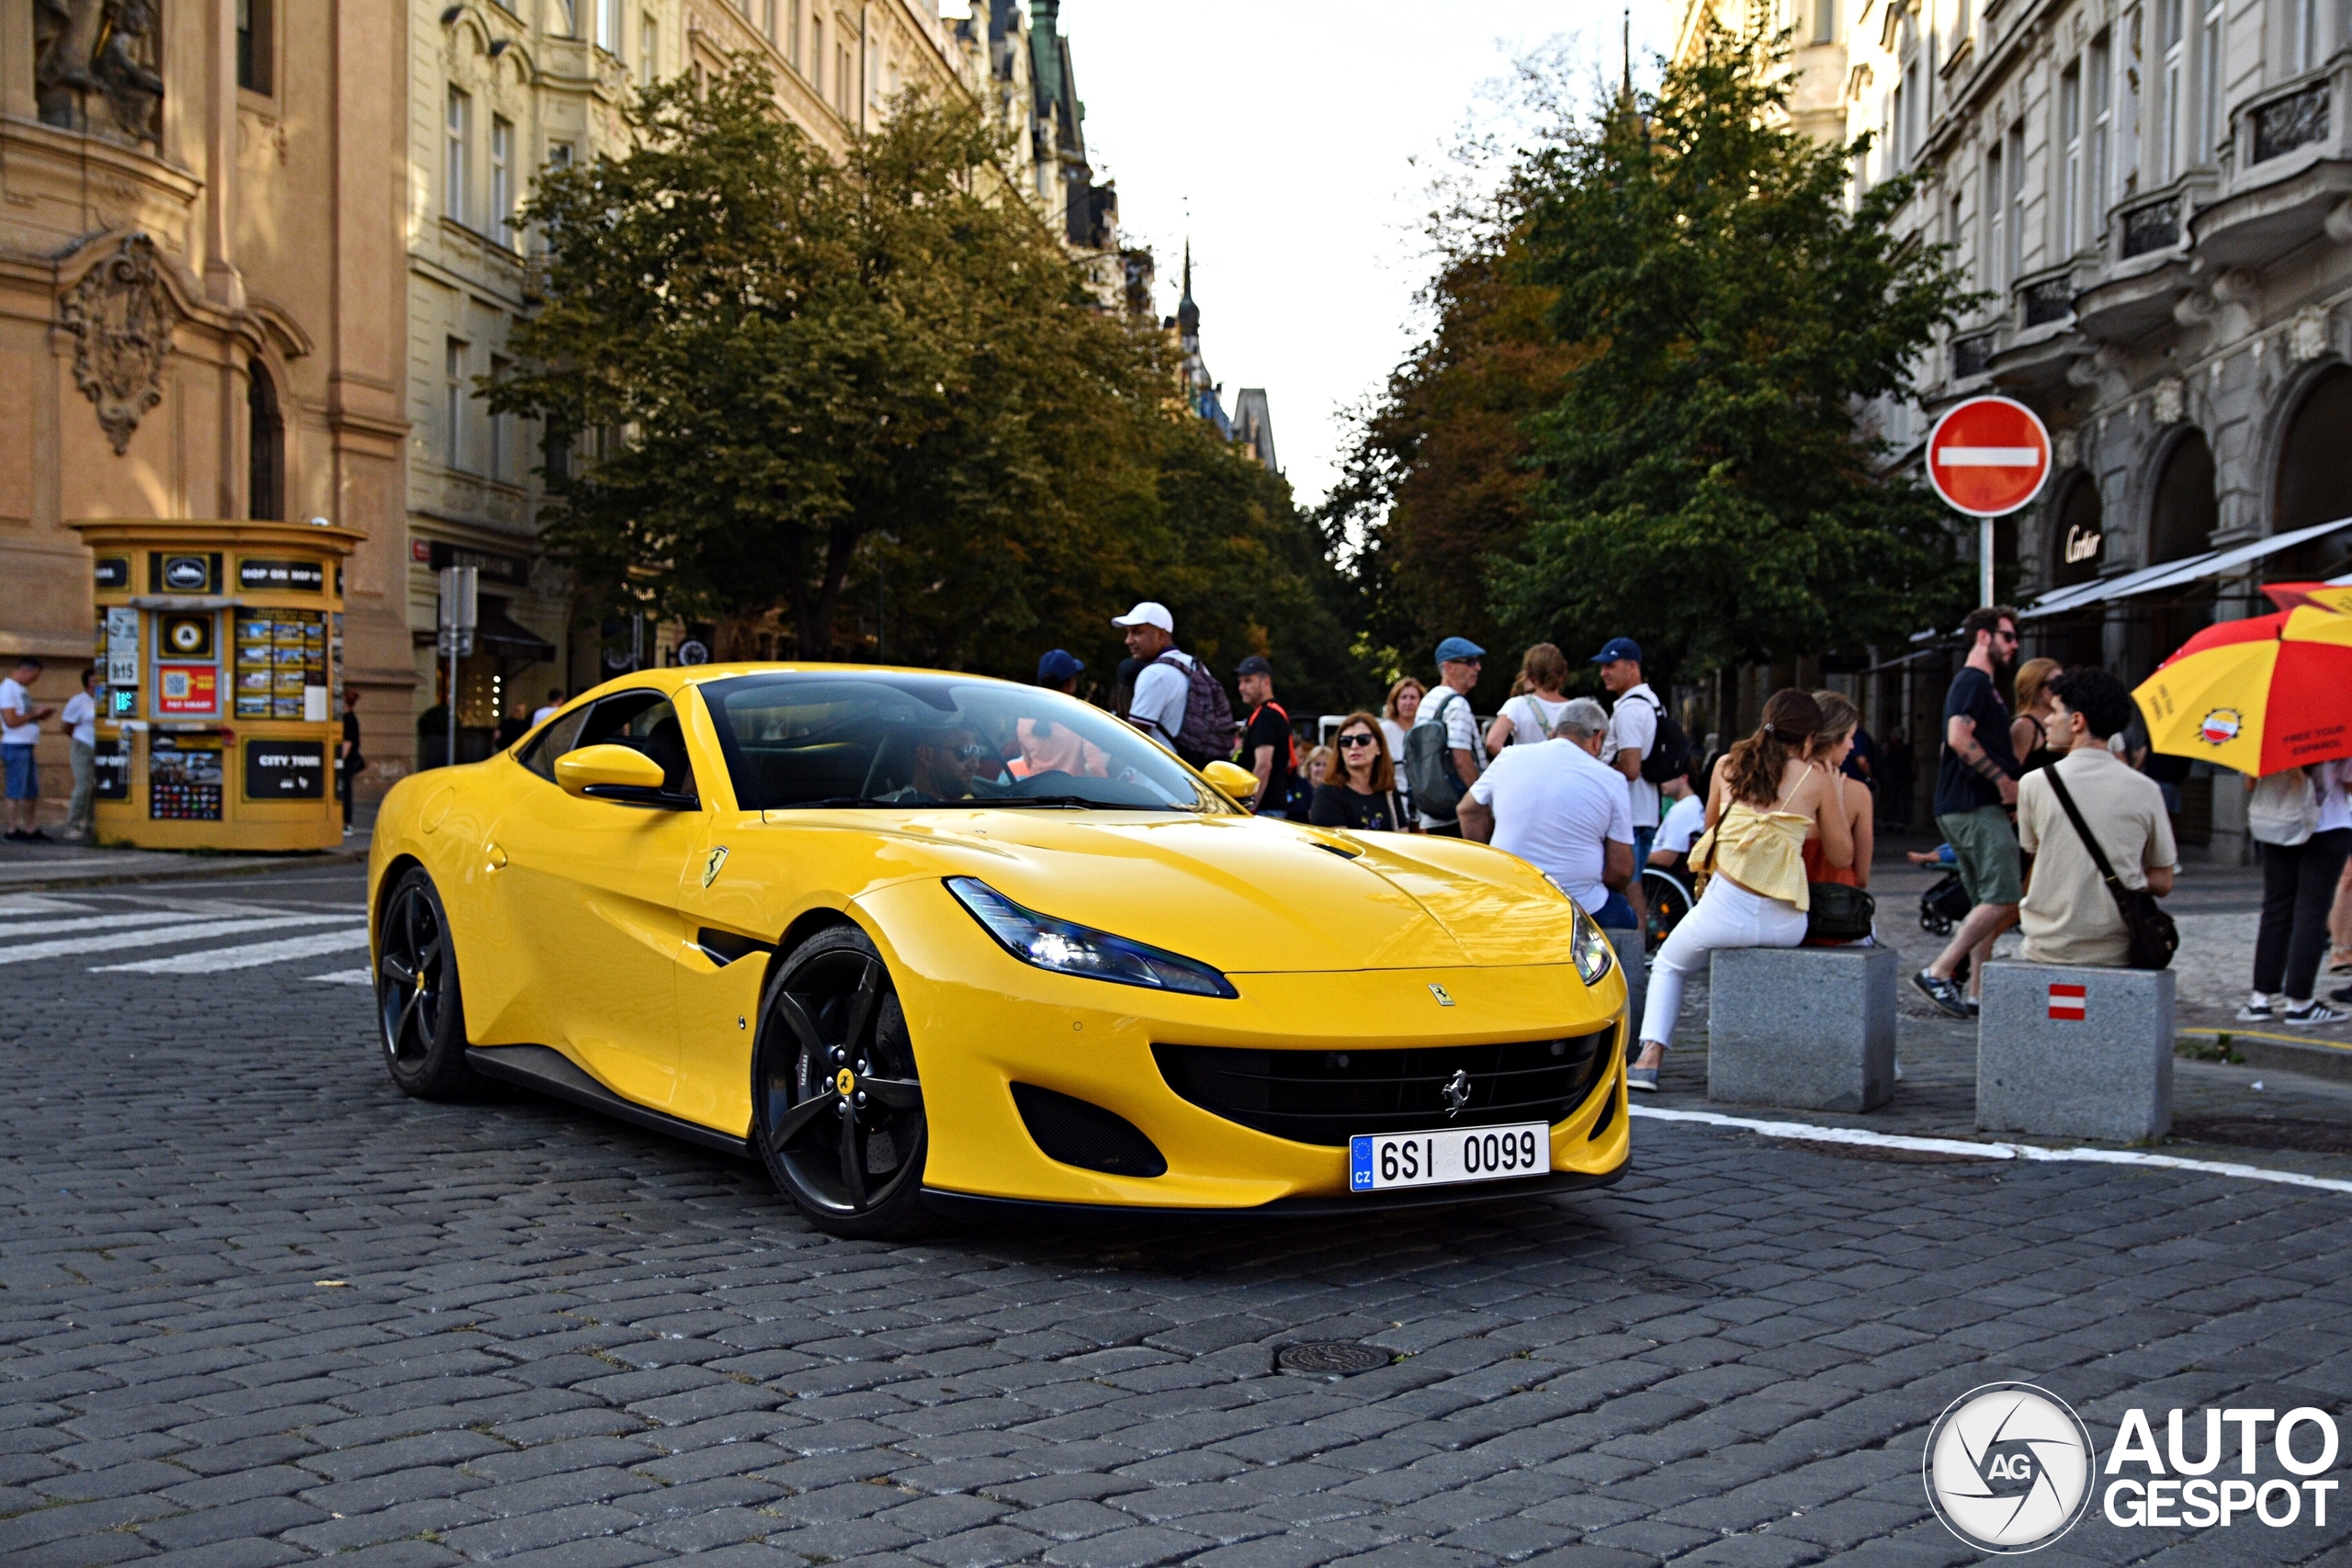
x,y
1810,1028
2066,1052
1631,958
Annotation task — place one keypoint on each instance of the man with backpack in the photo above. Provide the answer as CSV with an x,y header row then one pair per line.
x,y
1644,743
1177,701
1269,746
1445,754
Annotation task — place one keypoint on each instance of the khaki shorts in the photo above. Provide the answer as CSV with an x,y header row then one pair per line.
x,y
1986,848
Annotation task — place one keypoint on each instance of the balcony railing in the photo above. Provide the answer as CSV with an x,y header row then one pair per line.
x,y
2296,121
2047,299
2154,227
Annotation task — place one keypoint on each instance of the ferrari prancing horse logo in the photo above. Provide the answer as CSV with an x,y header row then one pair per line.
x,y
711,863
1439,992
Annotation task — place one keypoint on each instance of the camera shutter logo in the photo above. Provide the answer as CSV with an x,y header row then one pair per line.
x,y
2009,1466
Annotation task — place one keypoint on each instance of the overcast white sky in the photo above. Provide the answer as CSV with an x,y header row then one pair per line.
x,y
1291,129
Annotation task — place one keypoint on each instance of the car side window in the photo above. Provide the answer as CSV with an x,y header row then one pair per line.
x,y
561,735
647,722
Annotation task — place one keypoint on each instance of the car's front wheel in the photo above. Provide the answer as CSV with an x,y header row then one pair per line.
x,y
420,1014
837,1110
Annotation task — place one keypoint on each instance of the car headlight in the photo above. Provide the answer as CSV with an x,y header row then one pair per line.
x,y
1591,947
1070,949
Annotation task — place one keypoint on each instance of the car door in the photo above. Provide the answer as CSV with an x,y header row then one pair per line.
x,y
591,889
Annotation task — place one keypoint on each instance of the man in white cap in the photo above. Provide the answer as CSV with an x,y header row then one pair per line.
x,y
1165,681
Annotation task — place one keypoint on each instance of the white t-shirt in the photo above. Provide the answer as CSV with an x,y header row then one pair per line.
x,y
2328,781
14,698
1685,821
1160,690
1554,805
1531,717
546,714
80,716
1633,726
1460,731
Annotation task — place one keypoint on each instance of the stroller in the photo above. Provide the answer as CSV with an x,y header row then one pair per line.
x,y
1943,906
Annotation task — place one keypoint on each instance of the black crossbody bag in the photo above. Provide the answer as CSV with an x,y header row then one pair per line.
x,y
2154,936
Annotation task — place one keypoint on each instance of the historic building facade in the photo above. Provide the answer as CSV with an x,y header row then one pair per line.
x,y
200,301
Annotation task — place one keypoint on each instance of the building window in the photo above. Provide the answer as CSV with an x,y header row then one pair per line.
x,y
767,19
2303,22
502,179
2173,33
565,17
461,153
1910,112
609,26
1824,21
264,447
2013,264
256,37
498,455
648,49
1997,212
792,34
2209,85
2070,143
2099,174
816,71
452,407
558,155
841,79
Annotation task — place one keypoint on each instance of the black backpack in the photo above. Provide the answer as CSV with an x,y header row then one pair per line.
x,y
1669,755
1429,763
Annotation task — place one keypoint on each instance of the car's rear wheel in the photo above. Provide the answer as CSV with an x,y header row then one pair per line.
x,y
836,1111
419,1011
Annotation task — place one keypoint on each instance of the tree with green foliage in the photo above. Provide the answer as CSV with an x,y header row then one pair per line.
x,y
875,401
1704,481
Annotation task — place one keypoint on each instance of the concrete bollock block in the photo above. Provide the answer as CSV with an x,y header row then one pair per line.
x,y
1634,961
2068,1052
1810,1028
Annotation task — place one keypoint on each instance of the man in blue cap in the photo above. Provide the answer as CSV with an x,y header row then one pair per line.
x,y
1058,670
1633,733
1458,663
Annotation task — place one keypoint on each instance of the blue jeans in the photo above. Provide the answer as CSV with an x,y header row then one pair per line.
x,y
1617,915
24,779
1643,838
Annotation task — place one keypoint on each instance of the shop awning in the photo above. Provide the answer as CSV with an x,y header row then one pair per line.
x,y
503,637
2176,573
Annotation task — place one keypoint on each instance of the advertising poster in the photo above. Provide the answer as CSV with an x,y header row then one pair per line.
x,y
113,759
189,690
183,778
286,770
280,654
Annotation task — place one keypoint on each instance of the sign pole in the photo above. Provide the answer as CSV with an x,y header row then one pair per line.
x,y
1984,560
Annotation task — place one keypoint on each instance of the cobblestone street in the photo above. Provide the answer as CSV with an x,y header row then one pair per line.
x,y
257,1308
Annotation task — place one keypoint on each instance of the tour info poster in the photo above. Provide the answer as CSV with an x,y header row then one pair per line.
x,y
183,778
279,653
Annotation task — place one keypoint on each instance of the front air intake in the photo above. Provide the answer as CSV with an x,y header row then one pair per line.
x,y
1079,1133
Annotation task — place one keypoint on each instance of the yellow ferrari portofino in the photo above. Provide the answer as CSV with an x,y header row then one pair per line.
x,y
927,942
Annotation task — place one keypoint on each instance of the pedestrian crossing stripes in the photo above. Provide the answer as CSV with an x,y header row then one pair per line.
x,y
113,941
361,976
205,961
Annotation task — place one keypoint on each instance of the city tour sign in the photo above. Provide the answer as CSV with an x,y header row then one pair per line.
x,y
1987,458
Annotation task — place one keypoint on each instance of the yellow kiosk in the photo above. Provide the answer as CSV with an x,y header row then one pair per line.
x,y
221,648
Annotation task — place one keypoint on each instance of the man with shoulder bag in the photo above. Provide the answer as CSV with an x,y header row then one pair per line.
x,y
1445,754
2100,837
2300,819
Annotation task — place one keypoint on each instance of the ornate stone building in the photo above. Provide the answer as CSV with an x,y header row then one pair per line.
x,y
200,300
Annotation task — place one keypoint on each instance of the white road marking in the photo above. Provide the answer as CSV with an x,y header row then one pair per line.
x,y
37,904
125,920
204,961
348,977
77,946
1807,1132
1989,456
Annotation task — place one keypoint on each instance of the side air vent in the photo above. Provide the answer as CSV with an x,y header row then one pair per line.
x,y
1079,1133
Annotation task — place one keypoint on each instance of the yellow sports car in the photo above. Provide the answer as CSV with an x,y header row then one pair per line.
x,y
924,942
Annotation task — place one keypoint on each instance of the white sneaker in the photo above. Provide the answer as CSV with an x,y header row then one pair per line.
x,y
2312,1013
2255,1013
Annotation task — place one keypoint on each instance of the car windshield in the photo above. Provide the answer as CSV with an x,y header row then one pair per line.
x,y
840,739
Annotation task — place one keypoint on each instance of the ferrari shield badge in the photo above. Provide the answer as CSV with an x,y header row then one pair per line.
x,y
711,863
1438,991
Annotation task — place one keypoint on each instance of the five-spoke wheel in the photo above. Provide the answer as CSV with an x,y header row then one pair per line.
x,y
421,1014
837,1110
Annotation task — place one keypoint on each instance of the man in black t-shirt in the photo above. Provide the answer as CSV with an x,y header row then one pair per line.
x,y
1976,782
1267,747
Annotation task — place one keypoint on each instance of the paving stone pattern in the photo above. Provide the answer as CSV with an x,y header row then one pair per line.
x,y
257,1308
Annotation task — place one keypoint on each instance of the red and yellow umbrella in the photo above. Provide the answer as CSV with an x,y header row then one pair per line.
x,y
2262,694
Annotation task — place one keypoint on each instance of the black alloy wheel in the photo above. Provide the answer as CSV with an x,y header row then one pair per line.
x,y
420,1013
837,1110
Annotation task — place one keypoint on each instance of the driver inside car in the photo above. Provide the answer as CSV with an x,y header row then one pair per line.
x,y
946,762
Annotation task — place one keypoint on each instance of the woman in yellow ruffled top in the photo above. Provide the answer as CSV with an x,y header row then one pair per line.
x,y
1767,795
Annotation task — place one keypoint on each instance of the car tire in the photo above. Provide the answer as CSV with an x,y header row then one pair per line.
x,y
837,1110
420,1011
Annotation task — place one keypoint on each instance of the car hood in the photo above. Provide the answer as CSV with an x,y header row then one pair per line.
x,y
1254,895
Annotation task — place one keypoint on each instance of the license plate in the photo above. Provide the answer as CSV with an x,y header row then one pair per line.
x,y
1379,1161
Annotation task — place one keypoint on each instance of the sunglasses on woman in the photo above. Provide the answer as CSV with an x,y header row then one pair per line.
x,y
1352,742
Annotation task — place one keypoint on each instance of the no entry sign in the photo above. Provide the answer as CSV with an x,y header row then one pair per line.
x,y
1989,457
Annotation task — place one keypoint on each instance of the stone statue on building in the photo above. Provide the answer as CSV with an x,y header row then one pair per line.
x,y
96,67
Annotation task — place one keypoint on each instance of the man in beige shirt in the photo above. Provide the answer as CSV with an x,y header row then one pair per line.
x,y
2069,916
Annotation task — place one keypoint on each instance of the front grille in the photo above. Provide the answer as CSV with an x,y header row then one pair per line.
x,y
1324,1096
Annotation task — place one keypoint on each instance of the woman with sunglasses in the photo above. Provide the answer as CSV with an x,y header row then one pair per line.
x,y
1362,790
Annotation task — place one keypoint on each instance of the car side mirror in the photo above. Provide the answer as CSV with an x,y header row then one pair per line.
x,y
1233,779
610,772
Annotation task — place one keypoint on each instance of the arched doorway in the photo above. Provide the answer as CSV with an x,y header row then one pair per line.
x,y
2077,553
2313,483
2183,512
264,447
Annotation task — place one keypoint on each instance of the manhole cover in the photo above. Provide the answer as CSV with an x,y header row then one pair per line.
x,y
1330,1358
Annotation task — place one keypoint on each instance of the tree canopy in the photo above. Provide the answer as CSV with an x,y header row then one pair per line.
x,y
872,402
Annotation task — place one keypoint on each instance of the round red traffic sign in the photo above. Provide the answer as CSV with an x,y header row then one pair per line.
x,y
1989,457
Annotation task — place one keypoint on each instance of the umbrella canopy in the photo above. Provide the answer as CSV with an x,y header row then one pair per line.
x,y
2258,695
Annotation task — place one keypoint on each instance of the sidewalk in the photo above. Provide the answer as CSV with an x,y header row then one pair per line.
x,y
45,868
2281,1108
